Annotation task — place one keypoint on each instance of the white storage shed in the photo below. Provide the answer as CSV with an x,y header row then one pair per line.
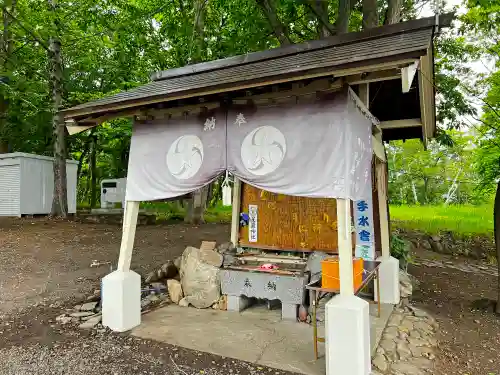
x,y
27,184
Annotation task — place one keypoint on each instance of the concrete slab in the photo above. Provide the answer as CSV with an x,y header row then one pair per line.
x,y
255,335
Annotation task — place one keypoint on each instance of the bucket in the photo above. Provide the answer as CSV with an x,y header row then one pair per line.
x,y
330,276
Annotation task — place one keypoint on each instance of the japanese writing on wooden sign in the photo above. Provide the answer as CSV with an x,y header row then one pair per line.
x,y
365,241
252,223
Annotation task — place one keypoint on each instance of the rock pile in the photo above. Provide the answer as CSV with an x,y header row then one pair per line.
x,y
87,315
191,279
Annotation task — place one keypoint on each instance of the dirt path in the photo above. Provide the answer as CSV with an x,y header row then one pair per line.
x,y
469,338
41,259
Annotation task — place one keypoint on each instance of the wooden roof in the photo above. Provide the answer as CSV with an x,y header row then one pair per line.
x,y
357,54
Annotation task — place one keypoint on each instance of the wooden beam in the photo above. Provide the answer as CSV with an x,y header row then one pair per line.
x,y
364,94
382,209
235,215
313,87
130,215
396,124
75,129
427,100
378,148
407,75
384,75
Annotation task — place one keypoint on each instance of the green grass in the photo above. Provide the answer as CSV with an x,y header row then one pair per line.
x,y
166,211
461,220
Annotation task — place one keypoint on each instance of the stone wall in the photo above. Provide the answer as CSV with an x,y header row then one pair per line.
x,y
477,247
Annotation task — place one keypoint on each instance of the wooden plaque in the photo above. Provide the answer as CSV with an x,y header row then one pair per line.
x,y
288,223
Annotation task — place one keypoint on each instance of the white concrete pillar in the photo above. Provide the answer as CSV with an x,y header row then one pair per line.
x,y
347,330
345,246
121,289
347,336
389,269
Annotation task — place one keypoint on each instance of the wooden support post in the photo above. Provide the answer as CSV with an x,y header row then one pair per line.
x,y
382,207
364,94
131,212
235,217
345,247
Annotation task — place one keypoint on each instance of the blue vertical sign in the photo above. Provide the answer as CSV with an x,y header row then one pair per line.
x,y
365,236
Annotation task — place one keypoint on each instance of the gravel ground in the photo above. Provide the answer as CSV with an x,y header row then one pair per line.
x,y
469,338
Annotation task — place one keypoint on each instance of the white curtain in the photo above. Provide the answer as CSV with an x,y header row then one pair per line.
x,y
316,148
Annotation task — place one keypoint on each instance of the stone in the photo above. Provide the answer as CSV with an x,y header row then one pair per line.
x,y
211,257
415,334
395,320
403,350
63,319
184,302
423,326
91,323
436,238
169,270
416,351
177,263
85,318
391,332
81,314
380,362
419,313
151,277
425,244
405,368
227,247
145,302
175,290
405,285
416,342
406,325
89,306
200,281
387,345
432,341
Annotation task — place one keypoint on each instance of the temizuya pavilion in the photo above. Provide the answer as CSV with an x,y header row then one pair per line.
x,y
325,106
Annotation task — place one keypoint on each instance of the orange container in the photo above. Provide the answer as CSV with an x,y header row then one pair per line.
x,y
330,277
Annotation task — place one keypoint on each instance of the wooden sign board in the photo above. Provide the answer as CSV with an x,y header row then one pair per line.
x,y
288,223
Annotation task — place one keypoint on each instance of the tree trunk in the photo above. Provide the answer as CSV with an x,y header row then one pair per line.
x,y
6,52
93,174
345,7
280,31
496,229
370,14
196,207
60,200
393,14
199,24
320,10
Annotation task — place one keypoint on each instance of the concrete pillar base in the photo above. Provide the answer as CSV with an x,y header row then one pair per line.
x,y
121,300
389,280
289,311
237,303
347,334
